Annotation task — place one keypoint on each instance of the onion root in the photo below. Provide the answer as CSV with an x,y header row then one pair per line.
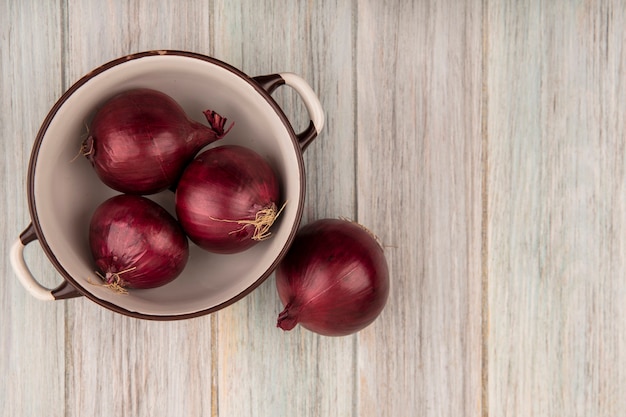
x,y
369,232
114,282
263,220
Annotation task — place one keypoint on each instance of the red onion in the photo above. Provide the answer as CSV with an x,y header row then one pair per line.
x,y
136,243
333,280
140,141
226,199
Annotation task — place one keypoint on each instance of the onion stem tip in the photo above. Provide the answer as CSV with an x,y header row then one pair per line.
x,y
286,320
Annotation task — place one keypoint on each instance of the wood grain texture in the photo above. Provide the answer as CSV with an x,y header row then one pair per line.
x,y
556,208
419,189
119,366
263,370
482,142
32,333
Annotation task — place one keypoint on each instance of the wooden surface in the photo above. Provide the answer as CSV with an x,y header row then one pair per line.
x,y
482,141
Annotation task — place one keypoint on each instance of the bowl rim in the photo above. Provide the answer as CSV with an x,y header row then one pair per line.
x,y
113,63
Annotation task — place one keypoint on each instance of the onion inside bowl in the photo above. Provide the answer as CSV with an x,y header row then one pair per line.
x,y
136,243
141,140
64,195
227,199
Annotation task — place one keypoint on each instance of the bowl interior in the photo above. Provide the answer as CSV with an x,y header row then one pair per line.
x,y
66,191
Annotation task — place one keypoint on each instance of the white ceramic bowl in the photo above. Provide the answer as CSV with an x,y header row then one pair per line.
x,y
63,192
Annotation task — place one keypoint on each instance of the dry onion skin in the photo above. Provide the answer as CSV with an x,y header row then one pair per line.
x,y
334,280
228,199
141,140
136,243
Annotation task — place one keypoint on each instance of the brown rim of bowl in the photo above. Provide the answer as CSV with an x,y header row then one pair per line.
x,y
35,153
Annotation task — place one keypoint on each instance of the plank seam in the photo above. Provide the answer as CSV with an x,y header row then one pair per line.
x,y
485,211
67,336
354,40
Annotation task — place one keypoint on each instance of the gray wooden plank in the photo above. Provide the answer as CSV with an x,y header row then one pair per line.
x,y
32,332
128,367
419,74
101,31
556,208
555,219
119,365
263,371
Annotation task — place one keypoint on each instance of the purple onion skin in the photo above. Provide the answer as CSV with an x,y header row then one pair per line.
x,y
134,234
220,186
334,279
140,141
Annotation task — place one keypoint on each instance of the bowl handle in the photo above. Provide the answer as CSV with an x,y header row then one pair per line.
x,y
310,99
65,290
